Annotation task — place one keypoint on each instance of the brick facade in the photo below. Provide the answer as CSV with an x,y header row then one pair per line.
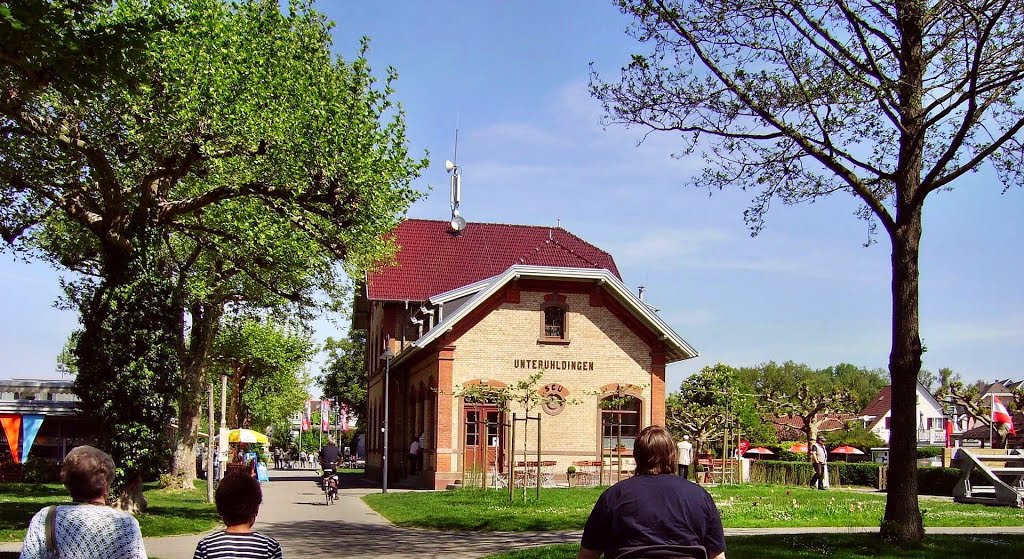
x,y
500,343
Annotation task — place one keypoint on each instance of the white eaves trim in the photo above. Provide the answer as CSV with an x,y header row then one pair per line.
x,y
678,348
460,292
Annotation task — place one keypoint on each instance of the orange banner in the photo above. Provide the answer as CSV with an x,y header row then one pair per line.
x,y
12,429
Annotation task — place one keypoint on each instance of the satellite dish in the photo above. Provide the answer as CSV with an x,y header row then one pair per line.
x,y
448,166
458,223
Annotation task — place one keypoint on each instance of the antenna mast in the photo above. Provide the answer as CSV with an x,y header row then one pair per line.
x,y
455,197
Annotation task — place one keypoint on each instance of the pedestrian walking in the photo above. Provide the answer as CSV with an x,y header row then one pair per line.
x,y
88,528
238,501
685,456
819,460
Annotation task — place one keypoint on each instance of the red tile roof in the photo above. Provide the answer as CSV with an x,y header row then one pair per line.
x,y
879,405
432,259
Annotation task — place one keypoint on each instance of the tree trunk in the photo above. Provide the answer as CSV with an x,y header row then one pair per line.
x,y
130,498
205,317
902,522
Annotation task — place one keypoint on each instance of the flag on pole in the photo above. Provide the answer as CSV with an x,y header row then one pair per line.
x,y
1000,415
344,418
306,424
325,410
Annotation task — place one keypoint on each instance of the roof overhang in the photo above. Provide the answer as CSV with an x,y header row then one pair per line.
x,y
677,349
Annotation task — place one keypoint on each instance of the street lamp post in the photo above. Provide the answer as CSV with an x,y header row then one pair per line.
x,y
387,356
222,435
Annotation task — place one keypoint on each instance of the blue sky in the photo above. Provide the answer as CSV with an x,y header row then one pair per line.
x,y
533,151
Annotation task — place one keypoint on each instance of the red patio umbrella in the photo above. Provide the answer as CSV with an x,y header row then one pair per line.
x,y
759,451
799,448
847,450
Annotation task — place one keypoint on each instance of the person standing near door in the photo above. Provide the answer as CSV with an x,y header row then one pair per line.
x,y
684,450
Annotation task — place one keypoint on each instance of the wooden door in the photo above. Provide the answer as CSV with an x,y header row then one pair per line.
x,y
483,440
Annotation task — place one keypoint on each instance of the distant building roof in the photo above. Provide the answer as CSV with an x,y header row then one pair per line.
x,y
432,259
878,406
787,427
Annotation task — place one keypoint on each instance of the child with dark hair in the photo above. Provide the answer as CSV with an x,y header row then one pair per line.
x,y
238,503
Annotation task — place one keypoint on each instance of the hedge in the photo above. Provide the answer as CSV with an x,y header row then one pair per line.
x,y
930,480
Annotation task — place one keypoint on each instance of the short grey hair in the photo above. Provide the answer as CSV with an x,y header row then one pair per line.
x,y
88,473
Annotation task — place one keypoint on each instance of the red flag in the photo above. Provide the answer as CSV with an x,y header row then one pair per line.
x,y
306,423
1000,415
949,432
344,418
325,423
12,430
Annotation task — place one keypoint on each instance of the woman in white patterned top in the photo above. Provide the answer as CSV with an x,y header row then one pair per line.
x,y
89,529
238,502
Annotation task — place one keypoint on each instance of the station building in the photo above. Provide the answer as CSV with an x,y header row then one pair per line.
x,y
489,306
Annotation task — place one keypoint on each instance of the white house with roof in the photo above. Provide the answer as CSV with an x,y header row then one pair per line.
x,y
931,416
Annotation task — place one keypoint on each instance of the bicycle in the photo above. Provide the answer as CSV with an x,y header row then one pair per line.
x,y
329,483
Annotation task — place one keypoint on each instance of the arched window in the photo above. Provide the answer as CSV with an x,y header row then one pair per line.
x,y
620,422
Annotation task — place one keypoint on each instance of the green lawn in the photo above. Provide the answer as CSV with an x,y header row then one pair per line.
x,y
742,506
830,546
170,512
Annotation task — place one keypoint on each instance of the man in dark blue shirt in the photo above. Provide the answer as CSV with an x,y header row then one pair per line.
x,y
655,507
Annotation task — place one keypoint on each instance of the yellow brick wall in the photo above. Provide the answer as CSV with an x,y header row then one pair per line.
x,y
488,351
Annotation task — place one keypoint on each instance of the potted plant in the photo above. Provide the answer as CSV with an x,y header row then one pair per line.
x,y
570,474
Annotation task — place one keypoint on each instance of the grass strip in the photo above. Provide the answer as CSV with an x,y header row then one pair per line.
x,y
830,546
170,512
741,506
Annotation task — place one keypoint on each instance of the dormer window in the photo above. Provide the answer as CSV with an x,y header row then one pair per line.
x,y
553,315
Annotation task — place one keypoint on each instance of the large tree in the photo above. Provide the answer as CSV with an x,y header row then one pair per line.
x,y
703,408
344,375
265,361
888,102
236,137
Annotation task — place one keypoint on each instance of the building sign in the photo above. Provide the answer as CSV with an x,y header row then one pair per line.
x,y
553,365
553,398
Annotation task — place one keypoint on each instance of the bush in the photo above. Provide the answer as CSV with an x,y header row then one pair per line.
x,y
937,481
928,452
858,473
41,470
800,473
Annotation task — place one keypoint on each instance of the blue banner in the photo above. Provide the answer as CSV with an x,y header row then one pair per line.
x,y
30,425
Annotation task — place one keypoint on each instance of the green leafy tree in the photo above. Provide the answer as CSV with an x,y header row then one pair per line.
x,y
862,383
127,374
74,48
257,157
887,102
344,376
264,361
702,408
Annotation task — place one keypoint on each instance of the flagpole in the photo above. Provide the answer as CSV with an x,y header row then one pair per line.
x,y
991,419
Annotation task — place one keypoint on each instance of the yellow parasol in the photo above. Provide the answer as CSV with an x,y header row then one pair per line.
x,y
247,436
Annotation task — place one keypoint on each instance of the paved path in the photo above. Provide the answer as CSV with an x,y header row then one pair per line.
x,y
295,514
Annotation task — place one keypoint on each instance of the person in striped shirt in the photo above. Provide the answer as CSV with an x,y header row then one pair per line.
x,y
238,502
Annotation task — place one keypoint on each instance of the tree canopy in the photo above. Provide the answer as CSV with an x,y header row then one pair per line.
x,y
265,361
795,100
344,377
259,165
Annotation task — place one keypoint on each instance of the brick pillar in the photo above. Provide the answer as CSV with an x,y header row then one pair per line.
x,y
447,457
658,388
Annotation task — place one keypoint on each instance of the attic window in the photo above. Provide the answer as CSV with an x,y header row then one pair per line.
x,y
553,319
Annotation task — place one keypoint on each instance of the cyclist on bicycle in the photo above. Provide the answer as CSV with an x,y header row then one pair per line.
x,y
329,458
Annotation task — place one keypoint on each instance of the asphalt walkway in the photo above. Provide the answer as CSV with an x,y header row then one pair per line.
x,y
295,514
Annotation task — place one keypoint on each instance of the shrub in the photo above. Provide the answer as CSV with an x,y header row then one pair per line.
x,y
41,470
800,473
937,481
928,452
858,473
